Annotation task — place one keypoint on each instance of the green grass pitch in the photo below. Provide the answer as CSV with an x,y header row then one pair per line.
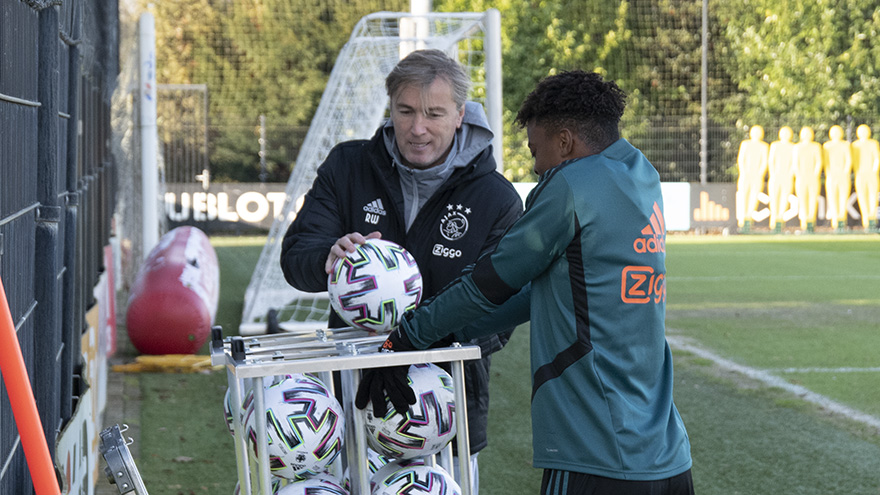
x,y
805,309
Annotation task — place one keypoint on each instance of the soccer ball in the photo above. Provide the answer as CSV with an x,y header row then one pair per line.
x,y
428,425
375,461
277,483
322,484
305,426
413,477
373,286
227,411
249,397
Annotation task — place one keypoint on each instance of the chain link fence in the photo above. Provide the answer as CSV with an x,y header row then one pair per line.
x,y
57,195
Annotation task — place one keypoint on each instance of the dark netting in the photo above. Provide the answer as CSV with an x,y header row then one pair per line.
x,y
57,189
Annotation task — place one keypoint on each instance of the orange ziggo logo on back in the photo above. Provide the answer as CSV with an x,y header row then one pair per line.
x,y
639,284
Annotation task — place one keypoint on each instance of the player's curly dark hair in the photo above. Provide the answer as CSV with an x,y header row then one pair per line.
x,y
581,101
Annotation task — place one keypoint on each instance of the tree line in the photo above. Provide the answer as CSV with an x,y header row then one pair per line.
x,y
802,62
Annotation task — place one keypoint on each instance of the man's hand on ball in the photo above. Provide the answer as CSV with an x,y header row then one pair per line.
x,y
392,380
347,244
379,382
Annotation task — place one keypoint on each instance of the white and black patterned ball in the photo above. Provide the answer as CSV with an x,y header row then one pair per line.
x,y
321,484
413,477
227,411
305,426
248,398
372,287
428,425
277,484
375,461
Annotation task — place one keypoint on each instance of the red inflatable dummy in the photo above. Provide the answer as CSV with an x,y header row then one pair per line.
x,y
174,298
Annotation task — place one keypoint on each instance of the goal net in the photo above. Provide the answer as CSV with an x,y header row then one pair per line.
x,y
353,105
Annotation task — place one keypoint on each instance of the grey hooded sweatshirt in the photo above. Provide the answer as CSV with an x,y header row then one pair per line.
x,y
418,185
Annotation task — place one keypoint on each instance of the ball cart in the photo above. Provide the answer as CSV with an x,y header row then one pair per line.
x,y
321,352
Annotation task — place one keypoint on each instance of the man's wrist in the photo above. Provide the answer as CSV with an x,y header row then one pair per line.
x,y
397,341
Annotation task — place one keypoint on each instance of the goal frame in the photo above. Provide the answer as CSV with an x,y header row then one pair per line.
x,y
414,33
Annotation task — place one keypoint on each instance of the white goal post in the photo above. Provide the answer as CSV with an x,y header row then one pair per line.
x,y
353,105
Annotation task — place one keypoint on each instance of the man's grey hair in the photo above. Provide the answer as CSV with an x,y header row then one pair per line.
x,y
421,67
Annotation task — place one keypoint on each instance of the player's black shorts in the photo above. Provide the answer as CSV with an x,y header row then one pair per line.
x,y
558,482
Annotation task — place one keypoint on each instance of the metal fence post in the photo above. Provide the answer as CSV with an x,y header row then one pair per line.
x,y
47,338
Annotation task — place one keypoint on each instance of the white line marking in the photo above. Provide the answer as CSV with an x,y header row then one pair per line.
x,y
825,370
774,381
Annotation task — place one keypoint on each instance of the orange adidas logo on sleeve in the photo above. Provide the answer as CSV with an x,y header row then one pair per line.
x,y
654,240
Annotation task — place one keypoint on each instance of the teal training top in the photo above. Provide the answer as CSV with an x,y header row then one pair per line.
x,y
586,264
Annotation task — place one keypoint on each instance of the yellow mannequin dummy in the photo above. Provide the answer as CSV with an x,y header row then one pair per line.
x,y
866,165
807,171
838,168
752,164
780,180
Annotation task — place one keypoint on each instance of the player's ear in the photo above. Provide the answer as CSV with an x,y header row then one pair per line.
x,y
565,142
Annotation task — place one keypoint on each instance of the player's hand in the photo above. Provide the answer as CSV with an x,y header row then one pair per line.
x,y
379,382
347,244
391,381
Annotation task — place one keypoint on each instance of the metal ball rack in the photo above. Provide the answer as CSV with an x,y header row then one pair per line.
x,y
321,352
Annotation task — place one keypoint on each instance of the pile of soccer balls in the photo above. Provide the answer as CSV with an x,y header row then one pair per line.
x,y
305,424
305,427
408,440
